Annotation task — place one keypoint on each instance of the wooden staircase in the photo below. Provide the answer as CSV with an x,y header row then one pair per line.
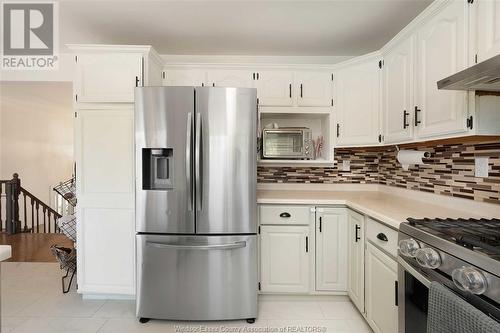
x,y
23,212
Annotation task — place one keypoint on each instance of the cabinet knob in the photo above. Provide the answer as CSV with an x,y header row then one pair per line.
x,y
285,215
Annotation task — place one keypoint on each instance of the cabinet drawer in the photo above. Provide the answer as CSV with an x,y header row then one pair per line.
x,y
282,214
382,236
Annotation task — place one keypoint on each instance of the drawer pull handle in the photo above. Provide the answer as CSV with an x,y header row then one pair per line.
x,y
356,236
382,237
285,215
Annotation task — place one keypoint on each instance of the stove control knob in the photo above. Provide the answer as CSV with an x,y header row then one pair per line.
x,y
469,279
428,258
408,247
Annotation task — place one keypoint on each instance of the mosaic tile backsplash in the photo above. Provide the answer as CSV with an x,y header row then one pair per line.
x,y
448,171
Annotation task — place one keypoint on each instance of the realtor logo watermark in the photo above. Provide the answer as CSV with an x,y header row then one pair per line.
x,y
30,36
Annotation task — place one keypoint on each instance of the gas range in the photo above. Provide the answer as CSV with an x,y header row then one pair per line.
x,y
462,254
475,241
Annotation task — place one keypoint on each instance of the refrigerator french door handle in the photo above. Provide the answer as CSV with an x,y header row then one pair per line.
x,y
189,140
230,246
197,162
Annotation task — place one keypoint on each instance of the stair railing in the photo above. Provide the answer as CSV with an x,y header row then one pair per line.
x,y
34,211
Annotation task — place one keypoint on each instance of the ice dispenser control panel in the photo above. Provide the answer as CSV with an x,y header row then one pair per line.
x,y
157,164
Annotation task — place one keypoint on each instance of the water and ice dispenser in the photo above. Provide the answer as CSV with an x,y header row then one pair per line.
x,y
157,168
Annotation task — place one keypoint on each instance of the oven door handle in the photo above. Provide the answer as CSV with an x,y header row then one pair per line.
x,y
425,281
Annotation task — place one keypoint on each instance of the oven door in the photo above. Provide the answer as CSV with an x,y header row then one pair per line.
x,y
283,144
413,298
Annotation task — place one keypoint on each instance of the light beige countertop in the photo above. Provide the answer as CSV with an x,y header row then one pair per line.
x,y
388,208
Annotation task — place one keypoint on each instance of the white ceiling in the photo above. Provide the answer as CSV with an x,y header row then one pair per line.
x,y
285,28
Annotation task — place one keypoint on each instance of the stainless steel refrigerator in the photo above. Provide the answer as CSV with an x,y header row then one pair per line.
x,y
196,243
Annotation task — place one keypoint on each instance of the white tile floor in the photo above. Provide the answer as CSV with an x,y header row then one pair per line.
x,y
32,302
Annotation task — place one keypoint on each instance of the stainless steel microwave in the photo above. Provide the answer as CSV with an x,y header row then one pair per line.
x,y
287,143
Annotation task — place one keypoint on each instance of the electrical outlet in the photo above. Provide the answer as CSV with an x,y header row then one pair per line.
x,y
346,165
481,167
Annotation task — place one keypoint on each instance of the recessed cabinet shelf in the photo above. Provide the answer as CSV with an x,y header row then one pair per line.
x,y
319,120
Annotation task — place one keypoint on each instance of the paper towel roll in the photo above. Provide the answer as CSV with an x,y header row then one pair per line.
x,y
407,157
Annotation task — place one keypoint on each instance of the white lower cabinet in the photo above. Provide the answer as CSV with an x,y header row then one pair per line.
x,y
381,291
356,259
285,254
331,249
339,251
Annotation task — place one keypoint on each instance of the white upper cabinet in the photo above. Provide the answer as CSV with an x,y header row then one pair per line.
x,y
357,103
331,249
442,51
284,264
487,29
274,88
185,77
398,90
108,77
231,78
356,259
314,88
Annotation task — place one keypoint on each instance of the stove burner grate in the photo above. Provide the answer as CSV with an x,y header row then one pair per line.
x,y
475,234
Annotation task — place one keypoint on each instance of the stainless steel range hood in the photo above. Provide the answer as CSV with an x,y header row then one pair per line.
x,y
483,76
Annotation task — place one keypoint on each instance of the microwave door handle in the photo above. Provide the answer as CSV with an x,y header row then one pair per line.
x,y
198,163
425,281
189,142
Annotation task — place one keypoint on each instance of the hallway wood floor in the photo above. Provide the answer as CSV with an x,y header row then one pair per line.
x,y
28,247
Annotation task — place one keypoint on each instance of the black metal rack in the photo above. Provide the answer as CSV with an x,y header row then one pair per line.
x,y
67,190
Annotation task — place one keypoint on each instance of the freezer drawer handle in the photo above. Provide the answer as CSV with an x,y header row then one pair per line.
x,y
230,246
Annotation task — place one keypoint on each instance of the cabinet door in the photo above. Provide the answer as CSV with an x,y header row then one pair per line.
x,y
154,72
185,77
231,78
357,90
314,88
398,92
104,153
487,29
356,259
381,291
284,259
442,51
331,249
109,77
274,88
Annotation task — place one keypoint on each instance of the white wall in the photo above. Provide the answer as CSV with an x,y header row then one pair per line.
x,y
36,134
